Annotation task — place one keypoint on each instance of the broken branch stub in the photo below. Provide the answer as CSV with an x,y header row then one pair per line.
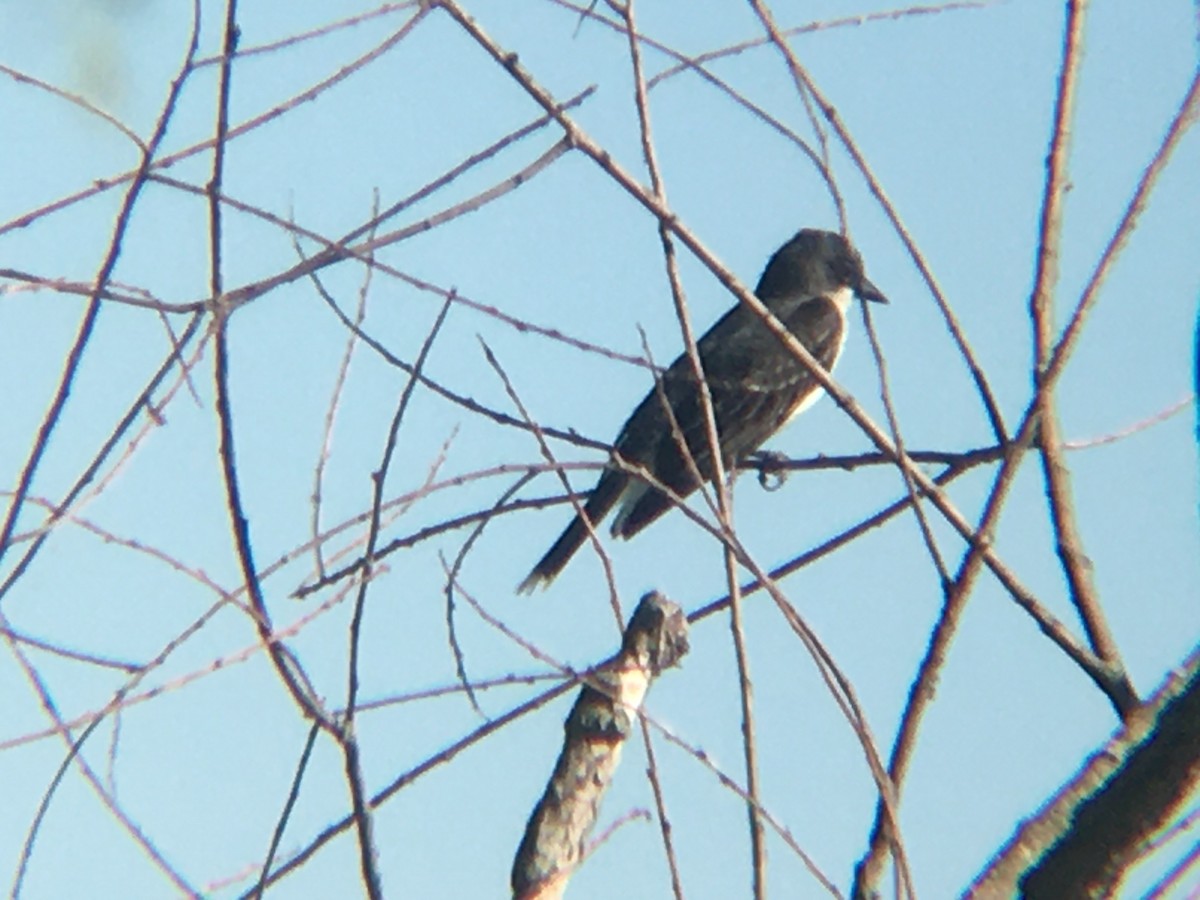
x,y
599,722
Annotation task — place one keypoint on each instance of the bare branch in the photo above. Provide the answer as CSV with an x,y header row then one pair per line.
x,y
1083,840
596,730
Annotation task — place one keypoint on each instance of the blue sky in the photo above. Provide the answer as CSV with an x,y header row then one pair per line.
x,y
952,112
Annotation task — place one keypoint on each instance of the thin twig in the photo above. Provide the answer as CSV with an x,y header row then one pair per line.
x,y
1172,877
81,102
92,311
286,814
303,36
1129,430
74,756
758,112
48,424
344,250
1068,541
700,59
335,395
123,698
285,664
870,868
460,659
801,80
885,395
758,851
660,805
361,812
767,816
298,101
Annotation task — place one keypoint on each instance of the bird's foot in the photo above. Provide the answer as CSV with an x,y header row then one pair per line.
x,y
772,468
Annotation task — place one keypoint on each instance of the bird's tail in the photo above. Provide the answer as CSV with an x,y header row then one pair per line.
x,y
606,493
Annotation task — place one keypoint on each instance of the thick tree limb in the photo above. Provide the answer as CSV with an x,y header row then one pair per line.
x,y
1082,841
599,723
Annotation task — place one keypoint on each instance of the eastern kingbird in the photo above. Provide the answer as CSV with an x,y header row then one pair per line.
x,y
756,385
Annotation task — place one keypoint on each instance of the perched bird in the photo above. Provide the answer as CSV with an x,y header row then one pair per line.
x,y
756,385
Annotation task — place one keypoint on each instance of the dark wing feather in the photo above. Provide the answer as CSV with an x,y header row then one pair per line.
x,y
755,386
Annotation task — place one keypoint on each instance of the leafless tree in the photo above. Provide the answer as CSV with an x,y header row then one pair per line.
x,y
260,537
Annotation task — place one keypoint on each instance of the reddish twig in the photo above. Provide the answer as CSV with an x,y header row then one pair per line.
x,y
758,851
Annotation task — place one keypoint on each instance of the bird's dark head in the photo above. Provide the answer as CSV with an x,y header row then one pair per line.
x,y
815,263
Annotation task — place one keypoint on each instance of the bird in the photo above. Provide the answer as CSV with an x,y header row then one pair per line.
x,y
757,386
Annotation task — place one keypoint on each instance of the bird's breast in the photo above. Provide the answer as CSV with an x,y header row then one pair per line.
x,y
827,351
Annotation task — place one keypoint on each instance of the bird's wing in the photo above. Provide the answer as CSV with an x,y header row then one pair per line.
x,y
755,384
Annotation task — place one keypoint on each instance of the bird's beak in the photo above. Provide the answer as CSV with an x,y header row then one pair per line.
x,y
868,291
